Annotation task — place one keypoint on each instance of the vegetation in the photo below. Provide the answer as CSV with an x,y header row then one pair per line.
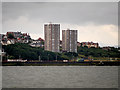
x,y
98,52
10,36
25,51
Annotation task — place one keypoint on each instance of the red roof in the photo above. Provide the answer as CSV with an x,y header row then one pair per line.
x,y
24,34
40,39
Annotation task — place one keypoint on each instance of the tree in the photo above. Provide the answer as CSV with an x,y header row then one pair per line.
x,y
10,36
25,51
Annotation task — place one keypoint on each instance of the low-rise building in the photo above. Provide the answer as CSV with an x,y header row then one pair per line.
x,y
106,48
15,37
78,44
15,34
37,43
88,44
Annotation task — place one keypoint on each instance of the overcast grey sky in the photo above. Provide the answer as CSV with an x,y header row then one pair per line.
x,y
95,21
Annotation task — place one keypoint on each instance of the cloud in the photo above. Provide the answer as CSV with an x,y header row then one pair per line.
x,y
63,12
103,34
95,22
106,34
35,35
24,24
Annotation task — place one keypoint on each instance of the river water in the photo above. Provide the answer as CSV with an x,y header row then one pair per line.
x,y
59,76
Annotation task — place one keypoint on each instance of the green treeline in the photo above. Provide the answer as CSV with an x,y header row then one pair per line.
x,y
25,51
98,52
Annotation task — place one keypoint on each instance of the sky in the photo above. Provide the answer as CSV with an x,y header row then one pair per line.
x,y
95,21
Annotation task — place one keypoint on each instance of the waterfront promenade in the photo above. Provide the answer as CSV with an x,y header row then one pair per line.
x,y
51,63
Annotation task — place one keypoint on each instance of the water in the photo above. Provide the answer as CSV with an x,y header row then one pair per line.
x,y
60,77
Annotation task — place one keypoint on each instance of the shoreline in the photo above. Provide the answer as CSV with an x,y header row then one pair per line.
x,y
61,63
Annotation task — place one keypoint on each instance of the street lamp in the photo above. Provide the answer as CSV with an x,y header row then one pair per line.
x,y
56,57
19,57
39,58
48,57
72,57
6,56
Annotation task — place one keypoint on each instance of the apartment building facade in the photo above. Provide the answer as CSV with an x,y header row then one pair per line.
x,y
52,37
69,40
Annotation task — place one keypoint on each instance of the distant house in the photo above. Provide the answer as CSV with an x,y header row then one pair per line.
x,y
78,44
1,36
11,41
107,48
15,34
19,37
3,39
37,43
40,39
88,44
